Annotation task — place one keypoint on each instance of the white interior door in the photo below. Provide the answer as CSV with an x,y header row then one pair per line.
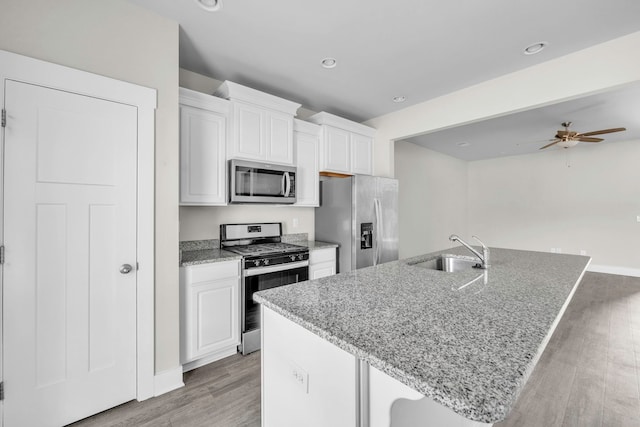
x,y
69,224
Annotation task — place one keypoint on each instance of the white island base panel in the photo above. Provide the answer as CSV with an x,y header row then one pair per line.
x,y
307,381
392,403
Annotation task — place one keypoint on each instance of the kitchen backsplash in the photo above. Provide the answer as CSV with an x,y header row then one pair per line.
x,y
203,222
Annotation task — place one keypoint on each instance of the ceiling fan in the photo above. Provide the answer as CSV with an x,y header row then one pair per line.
x,y
566,138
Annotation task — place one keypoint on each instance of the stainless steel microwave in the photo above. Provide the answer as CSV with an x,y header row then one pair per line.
x,y
255,182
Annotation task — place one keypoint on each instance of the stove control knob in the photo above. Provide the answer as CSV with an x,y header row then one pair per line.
x,y
256,262
266,262
300,256
293,257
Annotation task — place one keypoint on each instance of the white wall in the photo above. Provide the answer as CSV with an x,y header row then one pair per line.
x,y
536,202
432,198
198,223
119,40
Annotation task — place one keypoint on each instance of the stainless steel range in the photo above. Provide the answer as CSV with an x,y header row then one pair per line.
x,y
267,263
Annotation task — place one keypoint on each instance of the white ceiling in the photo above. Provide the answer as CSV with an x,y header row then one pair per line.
x,y
525,132
418,49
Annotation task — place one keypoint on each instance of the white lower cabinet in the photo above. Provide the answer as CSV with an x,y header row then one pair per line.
x,y
210,312
322,263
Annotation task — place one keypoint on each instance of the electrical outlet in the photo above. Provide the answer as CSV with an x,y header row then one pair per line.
x,y
583,252
558,250
300,377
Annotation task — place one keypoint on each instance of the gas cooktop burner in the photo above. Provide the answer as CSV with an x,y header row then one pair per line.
x,y
264,248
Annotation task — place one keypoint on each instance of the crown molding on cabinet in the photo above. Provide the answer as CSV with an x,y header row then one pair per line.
x,y
202,100
235,92
306,127
324,118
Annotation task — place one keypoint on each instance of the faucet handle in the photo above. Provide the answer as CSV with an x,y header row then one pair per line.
x,y
480,241
485,252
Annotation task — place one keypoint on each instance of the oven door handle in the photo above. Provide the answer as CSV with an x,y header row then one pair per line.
x,y
249,272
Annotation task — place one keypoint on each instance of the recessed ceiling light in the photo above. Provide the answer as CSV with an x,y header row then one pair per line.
x,y
399,98
463,144
329,62
210,5
534,48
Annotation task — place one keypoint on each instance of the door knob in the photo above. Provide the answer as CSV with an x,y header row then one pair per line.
x,y
125,268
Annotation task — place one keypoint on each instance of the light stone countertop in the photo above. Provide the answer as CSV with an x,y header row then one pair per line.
x,y
471,350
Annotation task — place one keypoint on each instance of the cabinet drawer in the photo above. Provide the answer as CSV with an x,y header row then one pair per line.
x,y
213,271
322,255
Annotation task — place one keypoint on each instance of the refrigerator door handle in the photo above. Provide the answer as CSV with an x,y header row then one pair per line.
x,y
378,234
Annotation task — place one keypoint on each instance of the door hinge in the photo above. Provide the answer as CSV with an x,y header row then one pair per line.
x,y
2,390
4,118
2,254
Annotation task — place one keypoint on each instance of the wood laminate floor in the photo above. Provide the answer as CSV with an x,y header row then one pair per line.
x,y
587,376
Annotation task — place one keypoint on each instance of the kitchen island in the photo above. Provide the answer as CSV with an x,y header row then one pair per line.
x,y
360,343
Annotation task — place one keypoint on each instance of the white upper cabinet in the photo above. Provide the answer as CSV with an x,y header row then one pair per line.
x,y
336,150
306,139
346,147
262,125
203,135
361,154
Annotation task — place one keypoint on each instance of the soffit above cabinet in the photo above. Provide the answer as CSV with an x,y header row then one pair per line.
x,y
236,92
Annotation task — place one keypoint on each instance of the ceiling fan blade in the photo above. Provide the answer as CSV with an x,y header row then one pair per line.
x,y
583,139
549,145
600,132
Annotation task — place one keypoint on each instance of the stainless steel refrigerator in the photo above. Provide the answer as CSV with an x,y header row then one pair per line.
x,y
360,213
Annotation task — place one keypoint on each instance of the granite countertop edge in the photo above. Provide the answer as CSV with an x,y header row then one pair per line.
x,y
487,409
387,368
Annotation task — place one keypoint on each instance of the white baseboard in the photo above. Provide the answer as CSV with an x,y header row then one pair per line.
x,y
221,354
612,269
166,381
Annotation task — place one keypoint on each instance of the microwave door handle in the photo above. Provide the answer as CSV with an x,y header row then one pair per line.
x,y
282,184
287,179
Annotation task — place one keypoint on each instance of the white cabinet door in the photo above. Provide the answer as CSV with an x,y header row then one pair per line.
x,y
202,157
279,140
248,140
322,263
210,310
261,134
307,186
361,154
337,150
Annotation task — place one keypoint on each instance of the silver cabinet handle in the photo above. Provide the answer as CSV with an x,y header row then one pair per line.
x,y
125,268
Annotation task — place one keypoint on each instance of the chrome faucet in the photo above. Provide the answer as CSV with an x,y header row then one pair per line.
x,y
484,257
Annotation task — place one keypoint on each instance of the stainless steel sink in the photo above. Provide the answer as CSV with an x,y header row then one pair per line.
x,y
449,263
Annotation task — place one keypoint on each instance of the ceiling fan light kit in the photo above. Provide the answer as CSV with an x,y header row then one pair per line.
x,y
210,5
534,48
567,139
